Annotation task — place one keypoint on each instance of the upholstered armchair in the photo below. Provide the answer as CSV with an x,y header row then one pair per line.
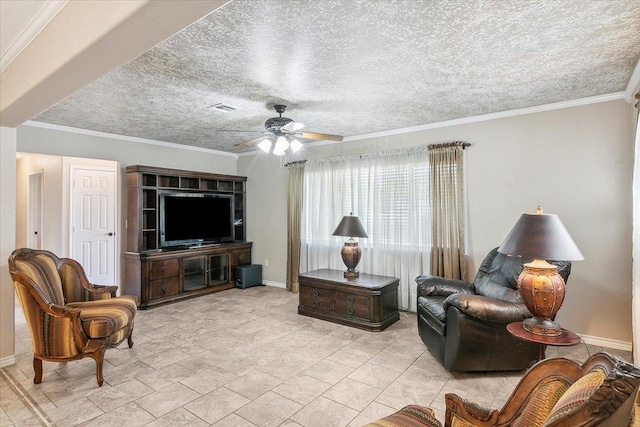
x,y
553,393
560,393
68,317
464,324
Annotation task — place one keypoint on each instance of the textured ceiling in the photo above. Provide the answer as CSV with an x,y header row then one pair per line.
x,y
353,67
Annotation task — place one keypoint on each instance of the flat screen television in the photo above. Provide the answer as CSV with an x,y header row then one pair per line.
x,y
188,219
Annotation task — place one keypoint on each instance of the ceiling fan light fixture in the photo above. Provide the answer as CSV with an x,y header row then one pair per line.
x,y
265,145
295,145
281,146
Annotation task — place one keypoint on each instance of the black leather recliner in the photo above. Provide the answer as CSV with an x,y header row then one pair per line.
x,y
464,325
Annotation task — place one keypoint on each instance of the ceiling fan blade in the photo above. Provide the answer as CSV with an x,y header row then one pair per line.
x,y
251,141
321,136
292,127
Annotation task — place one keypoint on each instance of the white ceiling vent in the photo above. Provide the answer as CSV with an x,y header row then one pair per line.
x,y
222,107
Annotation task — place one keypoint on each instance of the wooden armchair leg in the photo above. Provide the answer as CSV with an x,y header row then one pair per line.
x,y
130,339
37,367
98,356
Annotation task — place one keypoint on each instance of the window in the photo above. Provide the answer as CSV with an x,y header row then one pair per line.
x,y
389,193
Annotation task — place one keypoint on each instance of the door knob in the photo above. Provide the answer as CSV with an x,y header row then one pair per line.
x,y
110,233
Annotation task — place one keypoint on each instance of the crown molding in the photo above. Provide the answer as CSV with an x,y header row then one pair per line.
x,y
50,126
455,122
634,84
45,15
492,116
475,119
248,153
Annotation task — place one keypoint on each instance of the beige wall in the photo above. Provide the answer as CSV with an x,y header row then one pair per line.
x,y
7,242
52,207
78,148
575,162
33,139
52,144
267,213
56,171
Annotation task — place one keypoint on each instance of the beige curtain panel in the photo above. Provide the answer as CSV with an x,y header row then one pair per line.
x,y
448,258
294,218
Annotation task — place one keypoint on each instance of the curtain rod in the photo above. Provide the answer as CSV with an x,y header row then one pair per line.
x,y
297,162
450,144
390,152
367,155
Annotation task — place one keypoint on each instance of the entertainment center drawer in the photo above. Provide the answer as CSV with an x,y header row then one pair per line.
x,y
353,305
315,298
162,269
164,287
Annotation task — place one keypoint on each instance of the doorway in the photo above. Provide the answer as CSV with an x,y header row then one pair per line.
x,y
34,210
93,222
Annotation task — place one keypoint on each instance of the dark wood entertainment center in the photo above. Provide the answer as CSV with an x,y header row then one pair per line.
x,y
159,275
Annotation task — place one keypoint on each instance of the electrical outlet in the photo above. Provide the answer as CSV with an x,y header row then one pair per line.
x,y
266,263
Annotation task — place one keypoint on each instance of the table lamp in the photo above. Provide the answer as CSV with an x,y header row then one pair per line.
x,y
542,237
350,227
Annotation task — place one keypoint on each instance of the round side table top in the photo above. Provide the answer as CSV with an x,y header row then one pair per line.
x,y
566,337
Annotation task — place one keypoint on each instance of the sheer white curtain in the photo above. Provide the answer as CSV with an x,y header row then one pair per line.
x,y
389,193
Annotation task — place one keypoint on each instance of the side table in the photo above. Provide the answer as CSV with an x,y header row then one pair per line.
x,y
566,337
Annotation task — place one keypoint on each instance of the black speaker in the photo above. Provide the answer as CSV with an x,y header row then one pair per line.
x,y
248,275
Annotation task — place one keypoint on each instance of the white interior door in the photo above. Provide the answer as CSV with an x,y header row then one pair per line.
x,y
34,211
93,223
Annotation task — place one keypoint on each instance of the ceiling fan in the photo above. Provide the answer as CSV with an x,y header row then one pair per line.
x,y
282,133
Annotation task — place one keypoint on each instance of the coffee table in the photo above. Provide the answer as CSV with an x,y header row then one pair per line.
x,y
367,302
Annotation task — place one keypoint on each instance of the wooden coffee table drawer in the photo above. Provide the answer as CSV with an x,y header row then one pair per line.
x,y
316,299
368,302
353,305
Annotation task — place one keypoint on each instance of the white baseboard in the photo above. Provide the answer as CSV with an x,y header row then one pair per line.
x,y
274,284
8,361
606,342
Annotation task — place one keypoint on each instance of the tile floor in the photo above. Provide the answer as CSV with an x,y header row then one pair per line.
x,y
246,358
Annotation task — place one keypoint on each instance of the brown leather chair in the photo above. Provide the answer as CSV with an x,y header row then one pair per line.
x,y
464,324
68,317
560,393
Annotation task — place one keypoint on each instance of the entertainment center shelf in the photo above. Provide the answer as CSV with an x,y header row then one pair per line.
x,y
144,184
159,274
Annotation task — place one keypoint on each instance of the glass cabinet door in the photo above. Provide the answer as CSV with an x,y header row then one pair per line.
x,y
195,273
218,269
